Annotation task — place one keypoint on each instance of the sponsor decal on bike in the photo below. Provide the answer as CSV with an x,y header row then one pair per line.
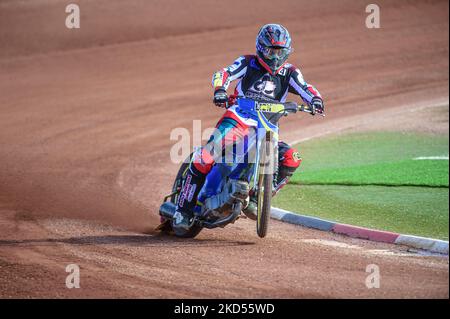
x,y
185,191
191,192
270,107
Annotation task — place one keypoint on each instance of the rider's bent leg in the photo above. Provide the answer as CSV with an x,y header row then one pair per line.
x,y
201,164
229,130
288,161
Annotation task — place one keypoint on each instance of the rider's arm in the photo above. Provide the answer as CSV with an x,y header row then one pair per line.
x,y
298,85
223,77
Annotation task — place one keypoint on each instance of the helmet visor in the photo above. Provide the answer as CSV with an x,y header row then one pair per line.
x,y
276,53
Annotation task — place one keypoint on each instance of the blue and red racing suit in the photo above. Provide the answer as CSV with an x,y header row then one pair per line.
x,y
253,82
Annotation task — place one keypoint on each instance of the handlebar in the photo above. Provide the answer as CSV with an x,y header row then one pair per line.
x,y
307,109
287,107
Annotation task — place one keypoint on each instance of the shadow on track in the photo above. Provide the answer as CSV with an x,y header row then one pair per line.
x,y
127,240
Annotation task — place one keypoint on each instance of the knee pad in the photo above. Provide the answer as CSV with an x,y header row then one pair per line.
x,y
289,160
202,161
288,157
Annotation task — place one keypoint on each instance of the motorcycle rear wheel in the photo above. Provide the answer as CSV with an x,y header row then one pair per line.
x,y
176,188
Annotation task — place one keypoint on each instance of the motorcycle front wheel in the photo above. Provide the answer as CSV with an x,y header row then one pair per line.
x,y
265,182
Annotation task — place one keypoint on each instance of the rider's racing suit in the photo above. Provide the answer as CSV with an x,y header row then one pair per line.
x,y
254,82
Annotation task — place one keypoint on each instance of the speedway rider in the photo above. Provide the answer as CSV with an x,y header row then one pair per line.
x,y
268,76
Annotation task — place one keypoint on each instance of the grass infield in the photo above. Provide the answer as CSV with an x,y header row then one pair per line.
x,y
374,180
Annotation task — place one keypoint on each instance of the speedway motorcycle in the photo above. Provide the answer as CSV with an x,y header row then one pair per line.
x,y
250,172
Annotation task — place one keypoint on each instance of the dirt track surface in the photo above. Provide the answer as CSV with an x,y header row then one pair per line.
x,y
85,120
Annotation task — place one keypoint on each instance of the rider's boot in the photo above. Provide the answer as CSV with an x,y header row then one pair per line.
x,y
193,183
282,177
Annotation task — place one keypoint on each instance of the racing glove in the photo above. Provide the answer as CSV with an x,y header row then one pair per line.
x,y
220,97
317,106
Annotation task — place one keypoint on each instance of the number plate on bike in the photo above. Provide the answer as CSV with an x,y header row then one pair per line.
x,y
270,107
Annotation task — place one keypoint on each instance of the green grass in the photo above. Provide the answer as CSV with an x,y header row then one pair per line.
x,y
432,173
406,210
371,180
